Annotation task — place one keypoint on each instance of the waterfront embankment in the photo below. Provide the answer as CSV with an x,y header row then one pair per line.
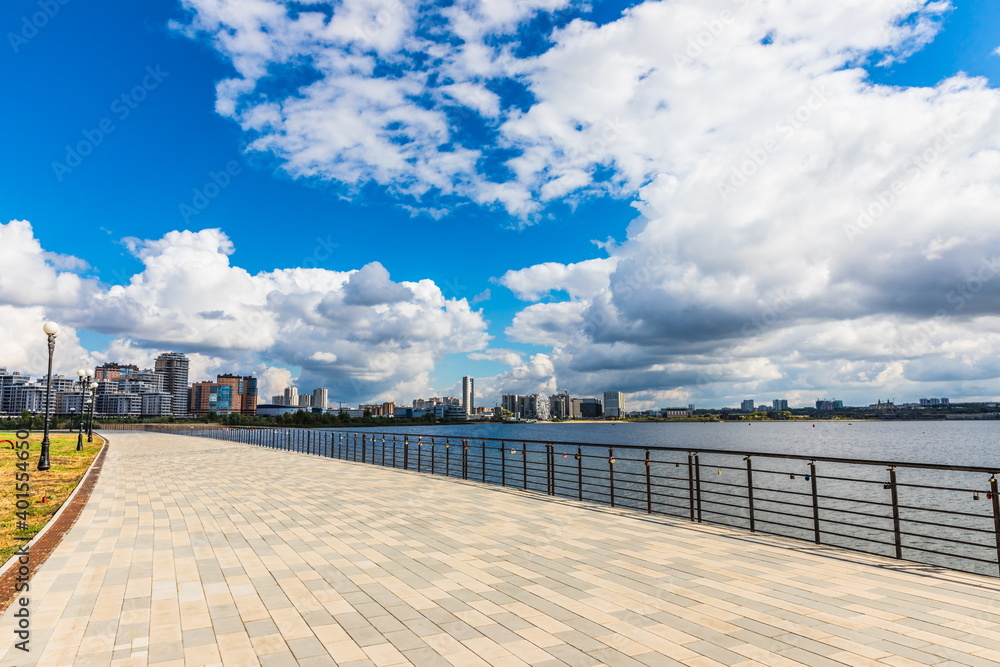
x,y
209,551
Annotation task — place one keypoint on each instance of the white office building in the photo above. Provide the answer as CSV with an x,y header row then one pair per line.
x,y
321,398
614,404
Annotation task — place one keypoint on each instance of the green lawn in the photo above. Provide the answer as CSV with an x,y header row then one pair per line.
x,y
47,491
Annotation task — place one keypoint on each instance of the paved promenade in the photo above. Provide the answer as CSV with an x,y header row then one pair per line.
x,y
195,552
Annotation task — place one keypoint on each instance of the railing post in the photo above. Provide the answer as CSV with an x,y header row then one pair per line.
x,y
484,461
383,449
611,473
996,513
697,483
433,456
750,493
815,494
550,469
524,465
691,483
447,457
649,487
420,452
579,472
895,513
503,468
394,450
465,458
406,452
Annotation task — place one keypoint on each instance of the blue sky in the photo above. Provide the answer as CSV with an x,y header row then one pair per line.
x,y
67,79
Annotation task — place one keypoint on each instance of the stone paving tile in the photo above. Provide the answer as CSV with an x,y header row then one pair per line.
x,y
194,551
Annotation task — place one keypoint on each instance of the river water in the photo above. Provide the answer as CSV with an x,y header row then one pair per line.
x,y
960,443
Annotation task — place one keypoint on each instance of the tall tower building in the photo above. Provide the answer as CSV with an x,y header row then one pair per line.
x,y
321,398
468,394
174,368
614,404
291,396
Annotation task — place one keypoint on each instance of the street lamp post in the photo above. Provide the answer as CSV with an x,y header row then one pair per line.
x,y
93,406
84,383
51,330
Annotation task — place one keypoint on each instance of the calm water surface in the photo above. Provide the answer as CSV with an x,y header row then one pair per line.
x,y
968,443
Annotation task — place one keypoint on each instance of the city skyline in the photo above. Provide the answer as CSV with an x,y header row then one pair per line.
x,y
722,204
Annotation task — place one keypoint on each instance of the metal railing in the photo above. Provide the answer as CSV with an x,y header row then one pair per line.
x,y
933,514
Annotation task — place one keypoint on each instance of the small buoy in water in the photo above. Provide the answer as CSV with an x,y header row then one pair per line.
x,y
814,425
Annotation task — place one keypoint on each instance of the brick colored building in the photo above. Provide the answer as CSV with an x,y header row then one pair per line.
x,y
229,394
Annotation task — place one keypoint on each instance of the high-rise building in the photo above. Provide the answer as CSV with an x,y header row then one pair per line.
x,y
526,406
244,392
174,367
468,394
291,396
214,397
321,398
779,404
509,402
305,400
747,405
614,404
591,408
559,406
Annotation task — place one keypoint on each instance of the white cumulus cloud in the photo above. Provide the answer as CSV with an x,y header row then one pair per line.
x,y
356,332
